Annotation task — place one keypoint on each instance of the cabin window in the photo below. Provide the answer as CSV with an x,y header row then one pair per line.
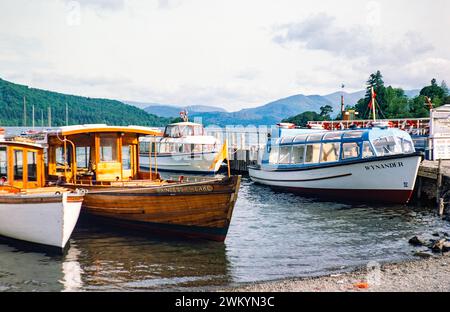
x,y
287,139
3,162
197,148
176,148
208,148
108,148
143,147
126,157
60,161
298,154
187,148
332,136
350,150
408,146
83,154
312,153
198,130
315,137
387,145
18,165
330,152
353,134
163,148
367,150
172,131
273,156
284,154
32,166
300,138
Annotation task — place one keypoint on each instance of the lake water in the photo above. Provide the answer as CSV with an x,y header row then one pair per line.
x,y
272,235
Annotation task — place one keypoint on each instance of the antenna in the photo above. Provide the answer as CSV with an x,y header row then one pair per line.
x,y
67,115
49,116
342,101
32,115
42,118
24,112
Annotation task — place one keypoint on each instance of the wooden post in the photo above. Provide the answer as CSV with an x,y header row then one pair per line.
x,y
441,207
439,182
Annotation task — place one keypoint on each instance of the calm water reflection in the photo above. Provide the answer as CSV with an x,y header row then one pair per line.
x,y
273,235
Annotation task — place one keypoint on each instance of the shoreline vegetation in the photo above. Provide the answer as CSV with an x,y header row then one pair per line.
x,y
429,274
391,103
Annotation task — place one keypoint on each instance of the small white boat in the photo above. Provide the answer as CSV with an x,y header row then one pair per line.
x,y
184,147
362,165
29,211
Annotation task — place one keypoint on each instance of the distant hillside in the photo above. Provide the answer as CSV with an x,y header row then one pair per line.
x,y
82,110
273,112
174,111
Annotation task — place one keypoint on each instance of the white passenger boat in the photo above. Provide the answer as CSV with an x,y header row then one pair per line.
x,y
363,165
30,211
184,147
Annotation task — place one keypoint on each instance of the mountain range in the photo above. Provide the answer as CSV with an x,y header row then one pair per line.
x,y
266,114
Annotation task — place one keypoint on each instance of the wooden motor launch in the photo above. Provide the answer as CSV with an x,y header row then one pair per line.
x,y
104,160
29,210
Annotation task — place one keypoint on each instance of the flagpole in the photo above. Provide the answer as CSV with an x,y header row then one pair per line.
x,y
228,160
373,104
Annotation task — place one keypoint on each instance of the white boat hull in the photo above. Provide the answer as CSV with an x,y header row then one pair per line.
x,y
199,163
389,179
46,219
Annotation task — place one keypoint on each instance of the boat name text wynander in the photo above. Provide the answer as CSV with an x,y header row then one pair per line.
x,y
396,164
187,189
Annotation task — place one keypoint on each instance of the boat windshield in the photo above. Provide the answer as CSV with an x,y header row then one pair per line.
x,y
177,131
389,145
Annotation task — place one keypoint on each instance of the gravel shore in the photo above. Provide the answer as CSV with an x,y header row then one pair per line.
x,y
429,275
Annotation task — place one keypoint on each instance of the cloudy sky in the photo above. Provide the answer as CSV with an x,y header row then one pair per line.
x,y
227,53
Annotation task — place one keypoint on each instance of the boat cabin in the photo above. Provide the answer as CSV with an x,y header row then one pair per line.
x,y
184,129
21,164
319,148
95,153
181,138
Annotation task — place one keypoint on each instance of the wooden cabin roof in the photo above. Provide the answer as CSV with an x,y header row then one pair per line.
x,y
95,128
19,142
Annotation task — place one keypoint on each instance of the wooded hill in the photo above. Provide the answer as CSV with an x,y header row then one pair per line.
x,y
81,110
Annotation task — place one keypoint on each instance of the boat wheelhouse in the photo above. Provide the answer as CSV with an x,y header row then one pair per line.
x,y
374,164
104,160
29,210
184,147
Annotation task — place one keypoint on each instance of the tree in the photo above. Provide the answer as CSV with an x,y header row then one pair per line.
x,y
397,103
376,81
436,93
417,107
325,111
303,118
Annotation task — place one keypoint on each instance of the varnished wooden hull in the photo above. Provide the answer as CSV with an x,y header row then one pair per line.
x,y
194,210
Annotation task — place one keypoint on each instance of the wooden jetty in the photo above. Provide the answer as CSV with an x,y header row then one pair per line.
x,y
433,182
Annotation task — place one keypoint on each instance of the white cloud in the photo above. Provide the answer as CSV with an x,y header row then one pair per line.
x,y
322,32
217,52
